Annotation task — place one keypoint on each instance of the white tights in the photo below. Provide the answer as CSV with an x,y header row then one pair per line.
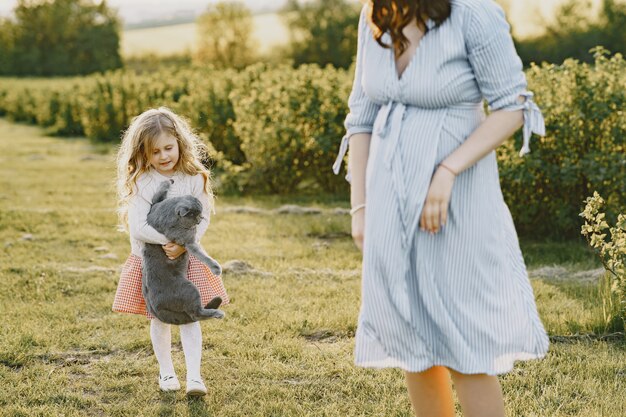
x,y
191,339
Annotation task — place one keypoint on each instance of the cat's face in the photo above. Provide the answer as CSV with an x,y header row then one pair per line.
x,y
189,213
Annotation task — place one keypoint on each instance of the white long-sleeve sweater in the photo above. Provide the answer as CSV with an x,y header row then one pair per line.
x,y
139,206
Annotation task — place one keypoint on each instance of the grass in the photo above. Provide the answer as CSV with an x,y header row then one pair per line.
x,y
285,348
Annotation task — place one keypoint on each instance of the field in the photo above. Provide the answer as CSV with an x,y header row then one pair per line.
x,y
527,19
285,347
269,31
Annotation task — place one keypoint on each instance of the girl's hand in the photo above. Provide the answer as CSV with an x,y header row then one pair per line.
x,y
173,251
435,211
358,228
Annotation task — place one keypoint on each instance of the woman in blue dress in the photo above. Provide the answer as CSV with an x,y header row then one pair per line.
x,y
445,291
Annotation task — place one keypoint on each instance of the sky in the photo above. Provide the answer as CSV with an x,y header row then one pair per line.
x,y
526,16
133,11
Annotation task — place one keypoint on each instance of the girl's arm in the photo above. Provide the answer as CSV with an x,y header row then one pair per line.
x,y
138,208
200,194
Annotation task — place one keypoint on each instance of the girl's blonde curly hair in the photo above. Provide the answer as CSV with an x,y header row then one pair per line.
x,y
137,144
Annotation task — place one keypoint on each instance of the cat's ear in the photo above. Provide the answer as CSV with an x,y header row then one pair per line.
x,y
182,211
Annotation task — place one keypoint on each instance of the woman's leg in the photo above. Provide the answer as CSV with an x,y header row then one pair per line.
x,y
161,336
430,392
480,395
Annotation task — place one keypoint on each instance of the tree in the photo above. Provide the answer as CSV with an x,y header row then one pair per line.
x,y
575,32
323,31
60,37
225,35
6,46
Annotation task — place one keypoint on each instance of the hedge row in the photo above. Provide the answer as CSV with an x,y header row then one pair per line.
x,y
277,129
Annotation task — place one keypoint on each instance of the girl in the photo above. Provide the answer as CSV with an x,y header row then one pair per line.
x,y
157,146
445,290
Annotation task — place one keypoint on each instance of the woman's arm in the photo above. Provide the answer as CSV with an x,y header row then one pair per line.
x,y
496,128
359,124
500,78
357,161
491,133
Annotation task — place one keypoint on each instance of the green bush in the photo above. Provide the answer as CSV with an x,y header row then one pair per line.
x,y
211,112
583,149
277,129
289,122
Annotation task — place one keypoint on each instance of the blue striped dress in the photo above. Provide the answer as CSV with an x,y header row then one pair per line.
x,y
460,298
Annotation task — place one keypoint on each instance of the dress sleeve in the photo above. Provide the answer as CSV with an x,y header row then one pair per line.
x,y
498,69
138,208
200,194
362,110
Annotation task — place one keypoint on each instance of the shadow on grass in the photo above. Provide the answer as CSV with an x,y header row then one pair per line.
x,y
168,404
546,252
197,407
616,338
586,292
590,296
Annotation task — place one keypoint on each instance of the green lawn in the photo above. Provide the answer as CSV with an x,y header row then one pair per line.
x,y
285,347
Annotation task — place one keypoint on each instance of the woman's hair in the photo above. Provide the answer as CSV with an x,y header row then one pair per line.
x,y
137,145
393,15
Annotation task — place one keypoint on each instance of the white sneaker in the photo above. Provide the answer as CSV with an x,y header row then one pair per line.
x,y
196,388
168,383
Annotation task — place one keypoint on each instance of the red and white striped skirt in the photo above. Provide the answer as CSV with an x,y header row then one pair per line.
x,y
129,298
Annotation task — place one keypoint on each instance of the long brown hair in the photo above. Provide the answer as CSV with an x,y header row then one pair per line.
x,y
134,153
394,15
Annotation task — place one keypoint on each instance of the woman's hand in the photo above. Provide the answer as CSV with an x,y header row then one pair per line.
x,y
358,228
173,251
435,211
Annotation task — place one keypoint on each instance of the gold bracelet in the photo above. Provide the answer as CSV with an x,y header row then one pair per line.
x,y
449,169
356,208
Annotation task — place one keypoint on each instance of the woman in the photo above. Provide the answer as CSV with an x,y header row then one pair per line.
x,y
450,298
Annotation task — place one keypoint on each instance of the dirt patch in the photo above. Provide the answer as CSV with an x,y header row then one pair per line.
x,y
287,209
76,357
92,268
294,209
239,267
561,273
324,336
308,272
329,236
244,210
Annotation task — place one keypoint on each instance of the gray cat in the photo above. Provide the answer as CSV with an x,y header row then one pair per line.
x,y
169,295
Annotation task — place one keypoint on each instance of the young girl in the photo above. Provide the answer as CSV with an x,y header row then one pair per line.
x,y
445,290
157,146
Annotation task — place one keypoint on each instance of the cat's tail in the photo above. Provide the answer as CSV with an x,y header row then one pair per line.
x,y
206,313
197,251
214,303
209,311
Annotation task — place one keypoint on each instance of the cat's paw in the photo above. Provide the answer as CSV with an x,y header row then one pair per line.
x,y
216,269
